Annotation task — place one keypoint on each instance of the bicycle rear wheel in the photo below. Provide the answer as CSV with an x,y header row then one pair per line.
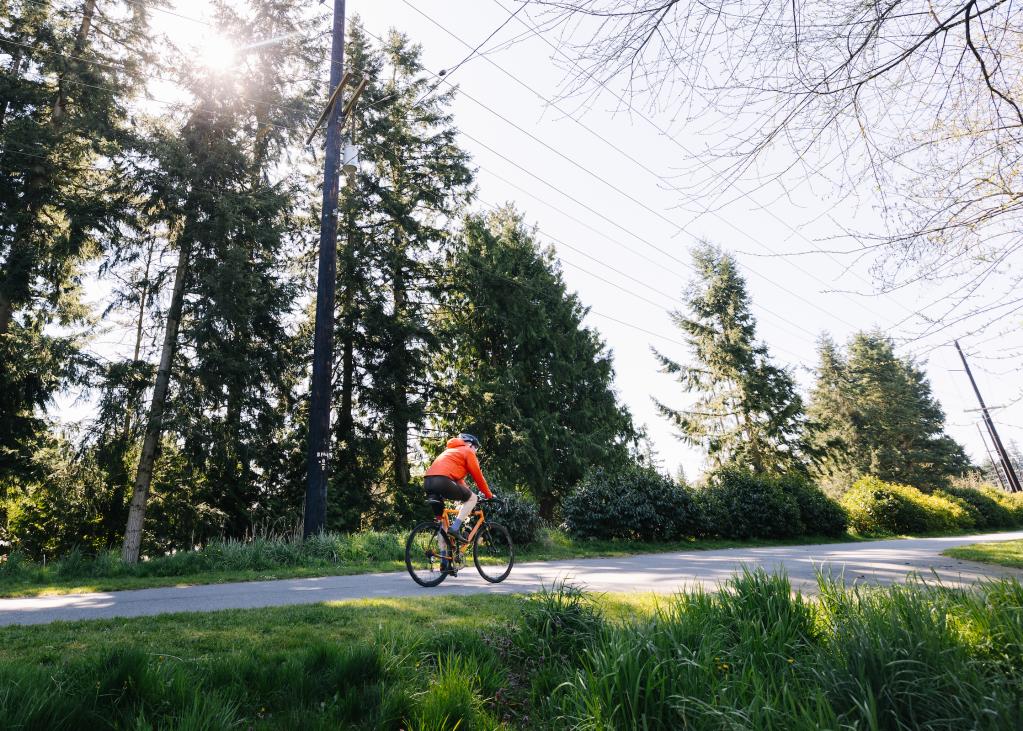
x,y
423,557
493,553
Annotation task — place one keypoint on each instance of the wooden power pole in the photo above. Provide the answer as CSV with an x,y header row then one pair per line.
x,y
318,465
1007,467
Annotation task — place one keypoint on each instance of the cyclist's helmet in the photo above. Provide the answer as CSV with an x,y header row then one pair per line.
x,y
469,439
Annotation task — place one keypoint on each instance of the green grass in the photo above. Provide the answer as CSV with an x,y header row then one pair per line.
x,y
751,656
1003,553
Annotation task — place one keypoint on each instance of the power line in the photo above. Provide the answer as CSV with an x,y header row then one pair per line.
x,y
673,139
689,266
524,191
626,290
607,183
679,228
284,106
450,72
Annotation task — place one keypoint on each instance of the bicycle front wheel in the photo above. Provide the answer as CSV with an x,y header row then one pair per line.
x,y
423,554
492,552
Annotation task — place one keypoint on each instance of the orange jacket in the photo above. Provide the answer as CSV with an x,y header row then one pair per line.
x,y
457,461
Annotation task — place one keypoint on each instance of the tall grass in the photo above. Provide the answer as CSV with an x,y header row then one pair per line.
x,y
755,656
257,554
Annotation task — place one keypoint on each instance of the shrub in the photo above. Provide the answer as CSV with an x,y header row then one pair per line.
x,y
736,503
519,515
987,510
876,506
1011,502
819,514
632,503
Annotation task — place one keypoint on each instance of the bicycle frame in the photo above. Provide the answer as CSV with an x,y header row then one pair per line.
x,y
450,513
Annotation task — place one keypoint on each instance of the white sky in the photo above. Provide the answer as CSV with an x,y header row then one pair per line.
x,y
791,295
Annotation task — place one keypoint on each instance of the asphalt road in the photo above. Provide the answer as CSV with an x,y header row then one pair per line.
x,y
876,562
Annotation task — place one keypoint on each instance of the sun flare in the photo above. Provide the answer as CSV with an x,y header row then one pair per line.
x,y
216,53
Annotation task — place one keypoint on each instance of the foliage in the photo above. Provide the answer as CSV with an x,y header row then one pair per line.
x,y
879,507
819,514
849,93
747,410
989,508
517,366
62,110
519,515
634,503
64,511
879,418
415,179
736,503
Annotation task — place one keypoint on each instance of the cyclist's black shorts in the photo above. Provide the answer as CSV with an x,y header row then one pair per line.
x,y
446,488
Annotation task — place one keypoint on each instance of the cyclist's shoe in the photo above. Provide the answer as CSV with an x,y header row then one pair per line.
x,y
458,535
445,564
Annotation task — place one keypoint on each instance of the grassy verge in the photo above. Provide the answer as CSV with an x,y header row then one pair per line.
x,y
328,555
1003,553
754,656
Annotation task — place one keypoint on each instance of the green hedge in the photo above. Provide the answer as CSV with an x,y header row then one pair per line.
x,y
634,503
735,503
819,514
876,506
519,515
989,510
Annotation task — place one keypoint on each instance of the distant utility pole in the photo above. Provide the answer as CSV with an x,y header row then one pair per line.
x,y
994,463
1007,467
318,465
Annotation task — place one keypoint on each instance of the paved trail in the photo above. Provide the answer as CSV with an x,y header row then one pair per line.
x,y
880,562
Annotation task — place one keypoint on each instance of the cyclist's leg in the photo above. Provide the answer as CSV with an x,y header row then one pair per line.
x,y
443,488
468,504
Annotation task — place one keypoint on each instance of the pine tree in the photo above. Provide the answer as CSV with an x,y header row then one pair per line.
x,y
226,343
747,411
415,179
517,367
69,70
880,418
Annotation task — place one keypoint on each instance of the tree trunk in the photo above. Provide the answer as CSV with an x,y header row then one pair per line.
x,y
346,419
399,413
60,104
142,301
6,311
154,425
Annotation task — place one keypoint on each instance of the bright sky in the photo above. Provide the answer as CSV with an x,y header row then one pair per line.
x,y
625,251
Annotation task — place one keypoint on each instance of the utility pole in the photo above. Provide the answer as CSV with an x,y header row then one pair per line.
x,y
990,456
1010,471
323,339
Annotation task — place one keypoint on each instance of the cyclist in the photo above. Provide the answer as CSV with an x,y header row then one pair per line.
x,y
446,476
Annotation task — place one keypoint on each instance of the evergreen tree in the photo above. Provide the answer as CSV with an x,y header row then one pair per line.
x,y
517,367
69,69
415,179
879,417
226,341
747,410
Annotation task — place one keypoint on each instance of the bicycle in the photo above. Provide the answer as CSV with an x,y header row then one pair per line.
x,y
432,553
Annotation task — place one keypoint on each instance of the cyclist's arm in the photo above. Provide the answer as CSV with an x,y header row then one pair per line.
x,y
477,475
